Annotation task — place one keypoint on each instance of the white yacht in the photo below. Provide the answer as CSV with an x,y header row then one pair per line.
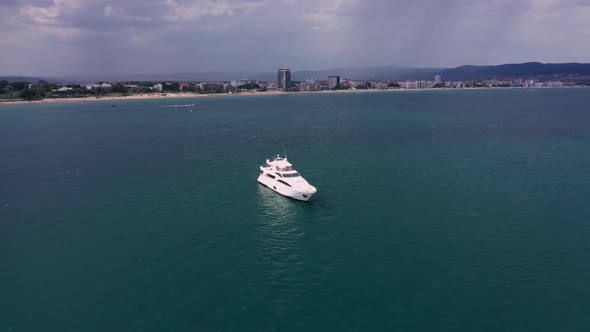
x,y
280,176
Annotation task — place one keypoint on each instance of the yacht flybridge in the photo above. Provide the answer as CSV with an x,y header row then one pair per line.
x,y
280,176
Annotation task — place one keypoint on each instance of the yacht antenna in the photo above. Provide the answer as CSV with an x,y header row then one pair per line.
x,y
284,151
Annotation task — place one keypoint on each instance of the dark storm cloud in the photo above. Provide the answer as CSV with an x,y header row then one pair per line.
x,y
54,37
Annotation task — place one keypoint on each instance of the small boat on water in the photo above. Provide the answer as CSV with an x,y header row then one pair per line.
x,y
280,176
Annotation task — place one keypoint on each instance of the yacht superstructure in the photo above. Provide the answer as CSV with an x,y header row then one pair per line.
x,y
280,176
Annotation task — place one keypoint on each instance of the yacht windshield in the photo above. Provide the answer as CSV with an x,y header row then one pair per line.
x,y
291,175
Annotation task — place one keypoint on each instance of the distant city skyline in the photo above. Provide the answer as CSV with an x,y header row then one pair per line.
x,y
83,37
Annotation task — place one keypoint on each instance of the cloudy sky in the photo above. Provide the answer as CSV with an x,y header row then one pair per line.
x,y
88,37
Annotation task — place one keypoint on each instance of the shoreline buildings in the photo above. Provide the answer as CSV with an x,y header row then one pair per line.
x,y
284,79
333,82
42,89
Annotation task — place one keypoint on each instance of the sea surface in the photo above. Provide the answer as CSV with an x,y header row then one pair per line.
x,y
436,211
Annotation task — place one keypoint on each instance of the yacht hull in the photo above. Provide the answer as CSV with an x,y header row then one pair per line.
x,y
284,190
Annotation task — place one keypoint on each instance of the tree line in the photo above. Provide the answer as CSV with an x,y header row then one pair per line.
x,y
43,89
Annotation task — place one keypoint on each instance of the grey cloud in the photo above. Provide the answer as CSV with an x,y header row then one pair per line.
x,y
8,3
77,37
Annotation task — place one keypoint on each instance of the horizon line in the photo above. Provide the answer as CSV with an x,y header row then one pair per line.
x,y
293,71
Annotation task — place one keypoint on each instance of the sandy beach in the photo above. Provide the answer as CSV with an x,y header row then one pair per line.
x,y
174,95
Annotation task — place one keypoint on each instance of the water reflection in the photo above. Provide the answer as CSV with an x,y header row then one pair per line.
x,y
281,248
275,208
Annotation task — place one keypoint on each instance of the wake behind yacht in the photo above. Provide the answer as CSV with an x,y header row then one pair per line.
x,y
280,176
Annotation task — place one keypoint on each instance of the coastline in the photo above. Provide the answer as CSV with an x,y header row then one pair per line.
x,y
142,96
174,95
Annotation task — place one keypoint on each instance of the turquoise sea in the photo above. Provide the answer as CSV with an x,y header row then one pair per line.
x,y
436,211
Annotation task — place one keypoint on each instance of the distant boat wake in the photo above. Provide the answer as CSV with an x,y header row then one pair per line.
x,y
185,105
163,106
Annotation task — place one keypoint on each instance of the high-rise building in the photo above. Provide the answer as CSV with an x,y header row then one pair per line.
x,y
437,79
333,82
284,79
